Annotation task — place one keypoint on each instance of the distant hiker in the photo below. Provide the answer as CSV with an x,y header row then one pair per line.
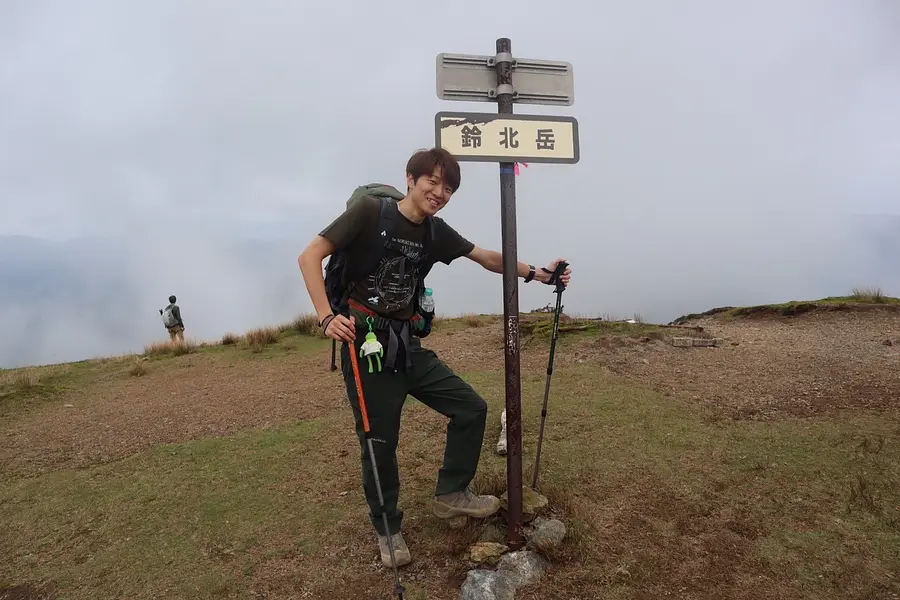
x,y
171,317
382,247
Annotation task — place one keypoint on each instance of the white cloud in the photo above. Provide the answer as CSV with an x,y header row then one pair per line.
x,y
717,139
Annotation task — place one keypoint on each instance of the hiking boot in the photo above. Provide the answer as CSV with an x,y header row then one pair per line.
x,y
465,503
401,551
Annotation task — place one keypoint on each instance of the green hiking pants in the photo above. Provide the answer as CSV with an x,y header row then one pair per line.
x,y
431,382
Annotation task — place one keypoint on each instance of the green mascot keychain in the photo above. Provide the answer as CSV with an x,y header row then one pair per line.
x,y
372,347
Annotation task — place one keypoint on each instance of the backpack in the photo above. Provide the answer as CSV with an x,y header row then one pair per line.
x,y
168,317
340,277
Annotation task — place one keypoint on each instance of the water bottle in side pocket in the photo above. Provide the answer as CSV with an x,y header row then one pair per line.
x,y
426,301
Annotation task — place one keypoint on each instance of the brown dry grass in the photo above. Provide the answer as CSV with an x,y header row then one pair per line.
x,y
24,379
869,294
472,320
231,473
307,324
230,339
139,368
173,347
258,339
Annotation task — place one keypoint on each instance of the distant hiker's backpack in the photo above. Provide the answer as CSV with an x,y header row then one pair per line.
x,y
340,277
168,317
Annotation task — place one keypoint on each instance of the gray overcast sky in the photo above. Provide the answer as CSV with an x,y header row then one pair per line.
x,y
716,136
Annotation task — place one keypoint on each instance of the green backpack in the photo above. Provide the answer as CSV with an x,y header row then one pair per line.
x,y
340,276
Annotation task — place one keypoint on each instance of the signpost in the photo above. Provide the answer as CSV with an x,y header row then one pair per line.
x,y
508,139
496,138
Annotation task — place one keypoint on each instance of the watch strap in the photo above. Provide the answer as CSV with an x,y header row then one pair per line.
x,y
531,272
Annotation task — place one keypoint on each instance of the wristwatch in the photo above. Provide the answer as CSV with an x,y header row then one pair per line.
x,y
530,276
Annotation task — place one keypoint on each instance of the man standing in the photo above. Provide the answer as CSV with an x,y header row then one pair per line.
x,y
385,300
171,316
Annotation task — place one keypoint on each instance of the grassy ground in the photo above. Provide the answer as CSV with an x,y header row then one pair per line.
x,y
871,298
662,497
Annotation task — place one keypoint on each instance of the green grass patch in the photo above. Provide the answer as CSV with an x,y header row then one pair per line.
x,y
463,322
859,299
22,387
184,518
541,327
662,489
657,493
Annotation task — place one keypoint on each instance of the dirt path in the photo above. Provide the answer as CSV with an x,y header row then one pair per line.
x,y
817,363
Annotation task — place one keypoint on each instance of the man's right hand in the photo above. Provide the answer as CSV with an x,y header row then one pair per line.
x,y
341,328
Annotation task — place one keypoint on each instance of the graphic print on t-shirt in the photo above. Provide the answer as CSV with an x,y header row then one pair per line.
x,y
394,282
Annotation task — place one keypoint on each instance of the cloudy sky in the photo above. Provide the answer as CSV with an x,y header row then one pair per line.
x,y
717,139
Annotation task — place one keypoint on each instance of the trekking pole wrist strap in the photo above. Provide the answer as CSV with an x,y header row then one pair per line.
x,y
556,274
324,322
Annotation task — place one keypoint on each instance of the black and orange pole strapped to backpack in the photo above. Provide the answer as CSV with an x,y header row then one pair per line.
x,y
398,589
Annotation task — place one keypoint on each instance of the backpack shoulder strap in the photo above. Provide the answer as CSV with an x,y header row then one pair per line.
x,y
430,234
379,236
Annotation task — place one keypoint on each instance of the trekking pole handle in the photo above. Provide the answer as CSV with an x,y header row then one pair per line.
x,y
557,273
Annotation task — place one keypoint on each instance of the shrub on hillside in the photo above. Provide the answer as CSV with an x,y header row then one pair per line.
x,y
230,339
258,339
20,379
869,294
138,368
308,324
472,320
175,348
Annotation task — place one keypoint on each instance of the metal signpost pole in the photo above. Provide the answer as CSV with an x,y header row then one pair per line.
x,y
515,531
506,138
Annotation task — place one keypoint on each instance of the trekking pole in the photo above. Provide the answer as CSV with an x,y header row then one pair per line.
x,y
398,589
560,288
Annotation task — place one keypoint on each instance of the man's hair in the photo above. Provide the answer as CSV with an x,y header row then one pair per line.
x,y
172,299
424,162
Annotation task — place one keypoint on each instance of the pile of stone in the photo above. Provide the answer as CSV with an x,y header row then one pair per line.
x,y
497,573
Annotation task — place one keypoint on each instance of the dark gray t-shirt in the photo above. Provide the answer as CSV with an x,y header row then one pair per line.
x,y
389,290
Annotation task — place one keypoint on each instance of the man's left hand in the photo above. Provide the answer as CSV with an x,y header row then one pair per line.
x,y
565,277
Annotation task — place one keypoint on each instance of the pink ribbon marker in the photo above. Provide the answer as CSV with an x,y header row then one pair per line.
x,y
517,167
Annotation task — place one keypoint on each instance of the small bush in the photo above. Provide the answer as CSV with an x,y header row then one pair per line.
x,y
26,379
869,294
186,347
258,339
31,381
175,348
157,349
20,380
308,324
138,368
230,339
472,320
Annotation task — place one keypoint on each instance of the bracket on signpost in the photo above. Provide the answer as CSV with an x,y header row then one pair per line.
x,y
473,78
508,139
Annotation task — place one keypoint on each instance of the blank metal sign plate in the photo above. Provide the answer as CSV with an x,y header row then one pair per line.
x,y
473,78
487,137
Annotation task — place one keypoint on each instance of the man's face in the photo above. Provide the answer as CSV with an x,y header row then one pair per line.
x,y
430,193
